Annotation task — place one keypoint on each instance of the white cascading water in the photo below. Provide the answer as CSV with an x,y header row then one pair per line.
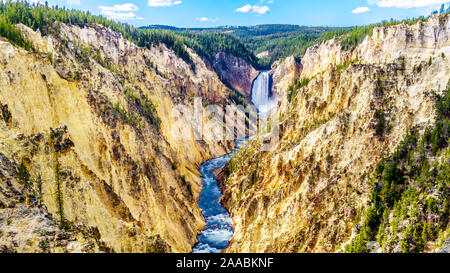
x,y
261,95
260,90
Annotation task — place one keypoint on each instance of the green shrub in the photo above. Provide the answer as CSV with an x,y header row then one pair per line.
x,y
144,104
371,218
299,83
23,174
44,245
59,195
360,242
130,118
346,64
381,123
391,173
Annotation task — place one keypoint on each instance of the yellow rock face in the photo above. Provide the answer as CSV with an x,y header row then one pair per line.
x,y
306,195
284,74
103,168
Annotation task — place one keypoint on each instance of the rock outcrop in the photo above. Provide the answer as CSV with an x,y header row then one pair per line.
x,y
284,73
237,72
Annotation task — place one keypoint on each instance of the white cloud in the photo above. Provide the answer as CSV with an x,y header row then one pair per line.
x,y
253,9
124,7
360,10
120,12
406,4
244,9
163,3
121,15
206,19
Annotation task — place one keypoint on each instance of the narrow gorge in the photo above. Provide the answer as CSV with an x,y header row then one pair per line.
x,y
219,228
123,139
219,225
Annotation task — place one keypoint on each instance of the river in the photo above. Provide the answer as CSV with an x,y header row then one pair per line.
x,y
219,225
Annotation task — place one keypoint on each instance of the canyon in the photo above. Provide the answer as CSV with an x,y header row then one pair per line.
x,y
93,157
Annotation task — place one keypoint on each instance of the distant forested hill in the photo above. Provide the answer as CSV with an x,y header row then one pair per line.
x,y
274,41
279,40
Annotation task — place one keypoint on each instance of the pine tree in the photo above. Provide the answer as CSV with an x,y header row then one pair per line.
x,y
23,175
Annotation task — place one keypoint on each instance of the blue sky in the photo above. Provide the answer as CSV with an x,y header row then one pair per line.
x,y
209,13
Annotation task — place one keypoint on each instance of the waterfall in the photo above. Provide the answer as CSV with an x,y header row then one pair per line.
x,y
261,95
260,90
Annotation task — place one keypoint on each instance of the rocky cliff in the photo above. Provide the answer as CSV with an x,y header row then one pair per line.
x,y
284,73
351,110
89,158
237,72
